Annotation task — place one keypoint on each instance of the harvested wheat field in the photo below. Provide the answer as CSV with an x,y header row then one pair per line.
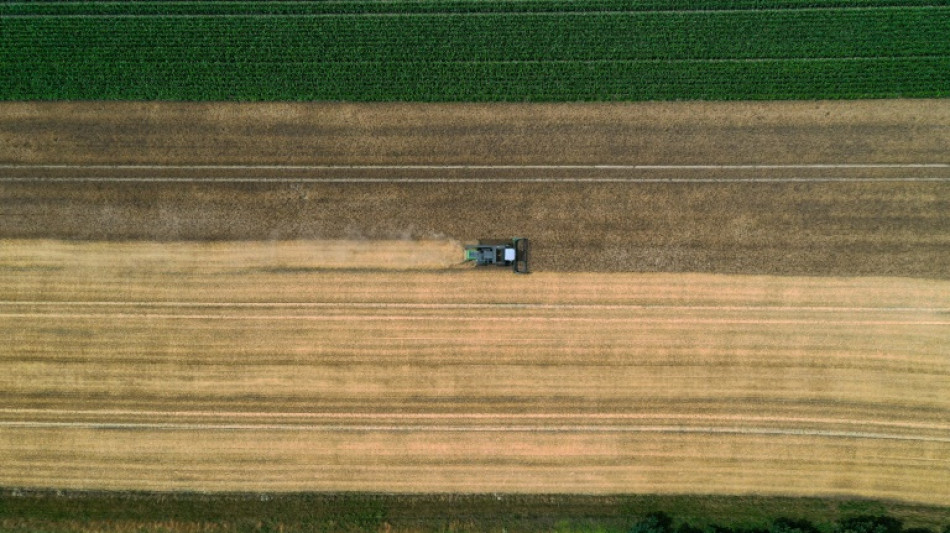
x,y
728,298
267,366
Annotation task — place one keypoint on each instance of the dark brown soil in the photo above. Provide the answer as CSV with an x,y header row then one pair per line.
x,y
894,227
825,228
877,131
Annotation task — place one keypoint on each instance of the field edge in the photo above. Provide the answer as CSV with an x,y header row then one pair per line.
x,y
77,510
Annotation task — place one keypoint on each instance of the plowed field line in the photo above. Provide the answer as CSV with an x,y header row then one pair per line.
x,y
470,416
596,173
429,318
763,166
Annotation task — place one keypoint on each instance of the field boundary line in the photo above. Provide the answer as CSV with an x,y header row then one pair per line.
x,y
750,166
124,426
467,180
657,60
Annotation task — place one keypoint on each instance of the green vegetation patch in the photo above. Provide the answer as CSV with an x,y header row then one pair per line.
x,y
297,7
57,511
475,50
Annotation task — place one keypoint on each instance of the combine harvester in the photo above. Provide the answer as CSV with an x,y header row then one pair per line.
x,y
513,253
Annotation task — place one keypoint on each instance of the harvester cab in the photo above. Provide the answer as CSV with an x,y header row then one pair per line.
x,y
513,253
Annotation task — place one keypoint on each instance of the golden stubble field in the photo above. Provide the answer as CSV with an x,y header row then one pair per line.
x,y
386,366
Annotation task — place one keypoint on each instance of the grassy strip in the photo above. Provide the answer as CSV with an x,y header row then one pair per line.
x,y
105,511
867,52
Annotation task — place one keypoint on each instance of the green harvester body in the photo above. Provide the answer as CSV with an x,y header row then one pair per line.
x,y
512,253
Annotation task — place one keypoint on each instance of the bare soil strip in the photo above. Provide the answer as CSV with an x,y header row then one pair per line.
x,y
702,133
129,369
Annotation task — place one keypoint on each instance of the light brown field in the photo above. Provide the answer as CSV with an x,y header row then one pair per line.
x,y
262,366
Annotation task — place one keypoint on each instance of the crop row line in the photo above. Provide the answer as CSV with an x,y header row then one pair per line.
x,y
658,61
493,305
464,13
412,428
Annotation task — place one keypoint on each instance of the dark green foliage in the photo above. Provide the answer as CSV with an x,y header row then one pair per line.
x,y
716,528
687,528
656,522
870,524
487,50
77,511
918,530
234,512
788,525
430,6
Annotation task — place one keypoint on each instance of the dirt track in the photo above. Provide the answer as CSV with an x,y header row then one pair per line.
x,y
875,220
235,367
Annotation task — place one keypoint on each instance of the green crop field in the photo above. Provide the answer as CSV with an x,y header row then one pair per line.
x,y
475,50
